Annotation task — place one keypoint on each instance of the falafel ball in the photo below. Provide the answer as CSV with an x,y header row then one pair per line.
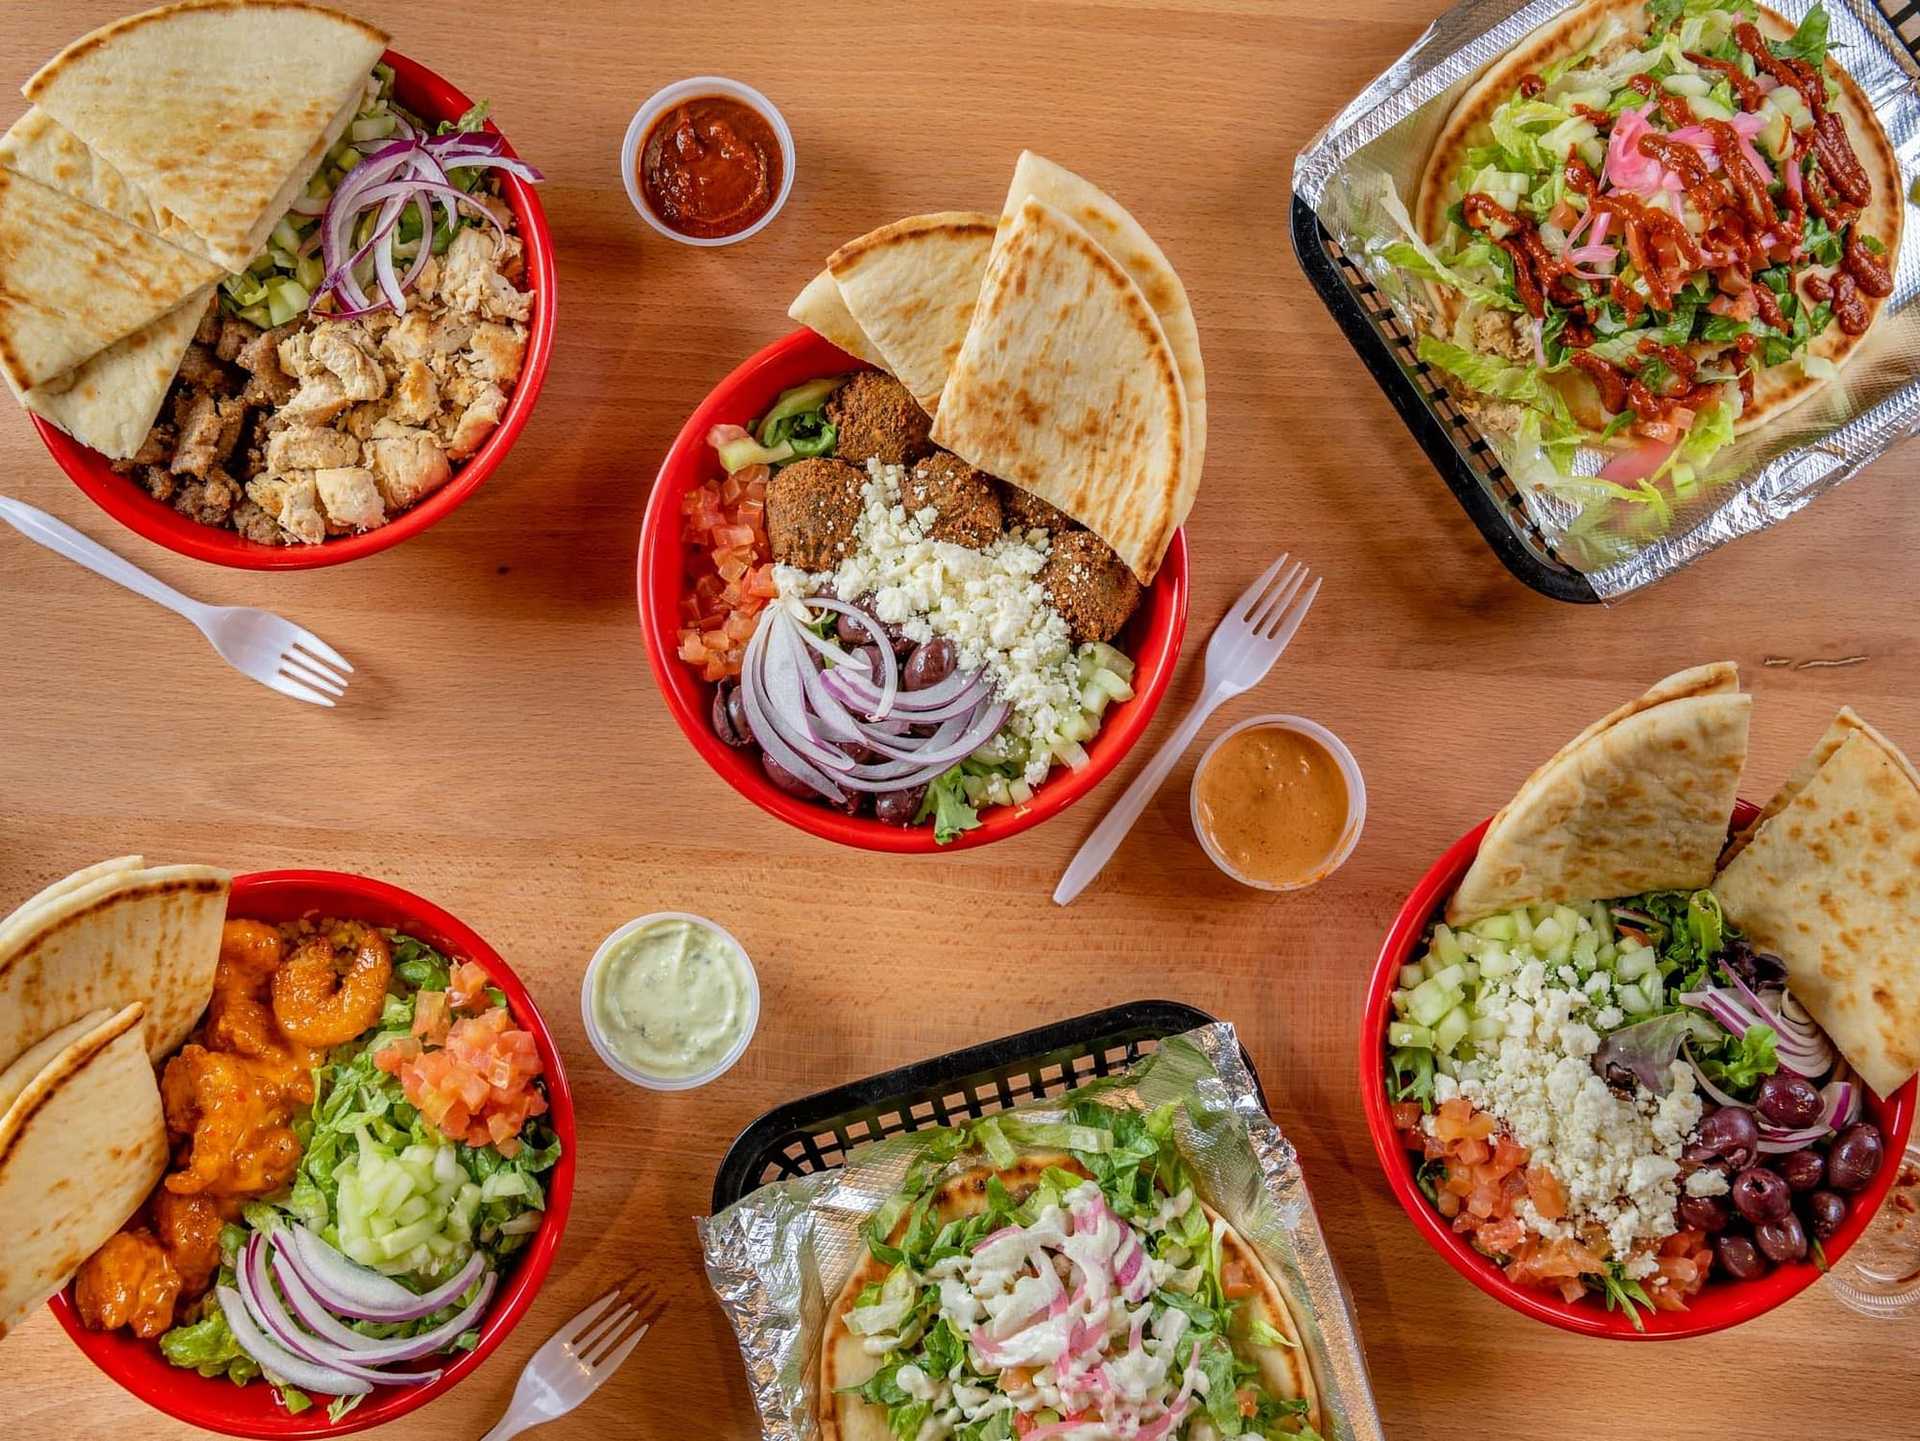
x,y
812,508
1089,585
1026,511
875,417
967,509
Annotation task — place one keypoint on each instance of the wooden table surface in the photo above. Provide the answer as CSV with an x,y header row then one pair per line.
x,y
504,752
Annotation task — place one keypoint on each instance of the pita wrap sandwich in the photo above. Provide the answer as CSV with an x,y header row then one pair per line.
x,y
149,934
1654,231
1015,1288
222,149
1638,801
82,1142
1825,878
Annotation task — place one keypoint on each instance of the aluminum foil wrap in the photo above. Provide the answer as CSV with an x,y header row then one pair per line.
x,y
1382,140
778,1258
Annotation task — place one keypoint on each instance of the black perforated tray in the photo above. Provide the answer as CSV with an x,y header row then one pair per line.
x,y
816,1132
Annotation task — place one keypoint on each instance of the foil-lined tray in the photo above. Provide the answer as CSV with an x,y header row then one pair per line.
x,y
777,1258
1382,139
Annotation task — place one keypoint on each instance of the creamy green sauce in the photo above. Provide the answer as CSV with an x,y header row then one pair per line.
x,y
672,998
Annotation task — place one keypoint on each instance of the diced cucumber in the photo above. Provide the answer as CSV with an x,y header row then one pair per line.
x,y
1410,976
1430,1001
1635,964
1485,1029
1452,1029
1633,999
1496,961
1020,791
1550,933
1449,977
1496,928
1447,946
1404,1033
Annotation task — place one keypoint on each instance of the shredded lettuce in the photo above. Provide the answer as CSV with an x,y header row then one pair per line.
x,y
1414,254
946,802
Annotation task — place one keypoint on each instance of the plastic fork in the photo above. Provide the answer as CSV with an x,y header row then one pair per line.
x,y
257,643
580,1356
1243,648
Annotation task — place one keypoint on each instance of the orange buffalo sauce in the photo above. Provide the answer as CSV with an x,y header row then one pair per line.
x,y
1274,805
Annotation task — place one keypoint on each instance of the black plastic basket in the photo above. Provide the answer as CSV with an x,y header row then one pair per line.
x,y
816,1132
1448,435
1451,440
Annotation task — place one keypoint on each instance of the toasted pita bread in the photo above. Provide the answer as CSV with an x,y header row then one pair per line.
x,y
1638,801
86,875
1777,388
1824,879
1127,241
112,400
73,280
81,1145
150,935
209,108
40,148
844,1361
1067,387
911,286
823,310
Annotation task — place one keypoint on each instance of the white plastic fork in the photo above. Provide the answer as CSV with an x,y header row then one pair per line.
x,y
580,1356
1243,648
257,643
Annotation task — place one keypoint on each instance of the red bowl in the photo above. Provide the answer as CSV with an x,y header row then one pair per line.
x,y
215,1403
1723,1303
121,496
1152,638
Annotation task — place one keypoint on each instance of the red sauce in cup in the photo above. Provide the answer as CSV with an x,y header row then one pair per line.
x,y
710,167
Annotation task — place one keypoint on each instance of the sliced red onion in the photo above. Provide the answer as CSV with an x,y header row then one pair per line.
x,y
890,686
752,686
264,1308
279,1362
365,1350
349,1289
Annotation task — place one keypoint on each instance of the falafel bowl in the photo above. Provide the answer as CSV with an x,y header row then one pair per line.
x,y
871,639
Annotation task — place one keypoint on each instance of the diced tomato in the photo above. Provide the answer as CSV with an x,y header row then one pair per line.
x,y
1406,1115
1474,1151
431,1015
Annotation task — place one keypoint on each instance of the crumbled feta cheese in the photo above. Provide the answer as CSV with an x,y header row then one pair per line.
x,y
989,603
1706,1182
1617,1158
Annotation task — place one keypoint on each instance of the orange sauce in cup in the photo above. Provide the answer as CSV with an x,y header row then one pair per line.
x,y
1274,804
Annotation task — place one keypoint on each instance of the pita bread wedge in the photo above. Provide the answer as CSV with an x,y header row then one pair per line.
x,y
912,286
1638,801
844,1362
1067,387
40,148
112,400
1828,879
150,935
73,280
81,1145
210,107
86,875
823,310
1127,241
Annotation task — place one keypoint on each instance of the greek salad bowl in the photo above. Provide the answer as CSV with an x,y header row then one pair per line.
x,y
432,99
256,1409
1719,1299
800,371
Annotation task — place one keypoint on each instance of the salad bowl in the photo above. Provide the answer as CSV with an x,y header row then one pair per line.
x,y
434,100
215,1403
1152,637
1724,1302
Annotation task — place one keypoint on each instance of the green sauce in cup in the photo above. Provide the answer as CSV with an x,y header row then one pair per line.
x,y
671,999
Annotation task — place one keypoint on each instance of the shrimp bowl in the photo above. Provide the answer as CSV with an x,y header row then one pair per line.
x,y
371,1164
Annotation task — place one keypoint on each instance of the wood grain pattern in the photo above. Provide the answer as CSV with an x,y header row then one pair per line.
x,y
504,753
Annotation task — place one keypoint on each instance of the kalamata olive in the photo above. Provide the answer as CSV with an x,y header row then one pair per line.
x,y
1756,968
1788,1101
871,655
1731,1135
1782,1240
1704,1213
858,753
848,631
730,715
1825,1211
786,780
1855,1157
1739,1257
1760,1195
898,808
1801,1170
929,664
1696,1157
